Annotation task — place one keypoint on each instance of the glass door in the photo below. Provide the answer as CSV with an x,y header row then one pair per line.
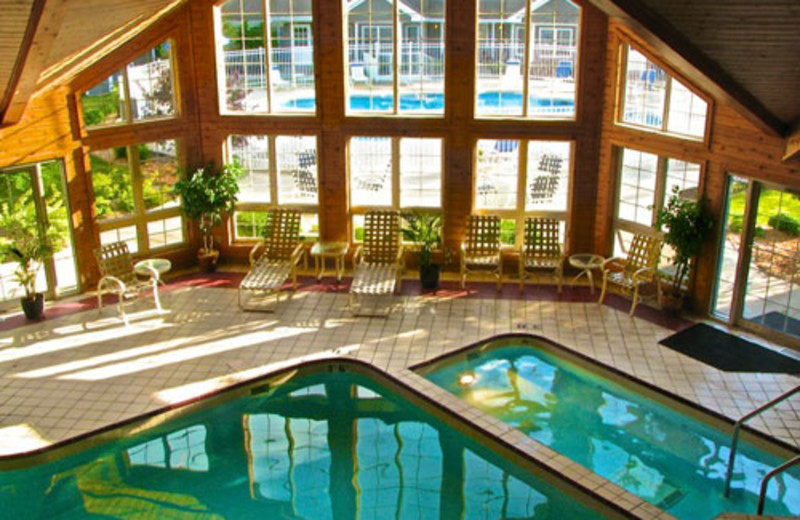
x,y
37,194
758,279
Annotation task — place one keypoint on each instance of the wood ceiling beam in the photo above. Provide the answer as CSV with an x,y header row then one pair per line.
x,y
43,25
695,65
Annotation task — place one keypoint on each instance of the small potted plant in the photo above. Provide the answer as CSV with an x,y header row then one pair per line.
x,y
206,196
686,225
425,230
25,244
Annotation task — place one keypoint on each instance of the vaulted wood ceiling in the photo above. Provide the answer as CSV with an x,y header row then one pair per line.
x,y
747,51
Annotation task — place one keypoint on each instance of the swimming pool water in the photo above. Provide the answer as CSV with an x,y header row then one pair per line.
x,y
321,446
666,458
503,101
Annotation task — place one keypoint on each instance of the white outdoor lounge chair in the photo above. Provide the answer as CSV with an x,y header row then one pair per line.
x,y
378,263
117,276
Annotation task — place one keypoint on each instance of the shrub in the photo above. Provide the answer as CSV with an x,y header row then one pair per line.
x,y
736,223
784,222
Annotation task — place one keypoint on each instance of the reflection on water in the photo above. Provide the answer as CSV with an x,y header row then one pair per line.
x,y
324,446
652,451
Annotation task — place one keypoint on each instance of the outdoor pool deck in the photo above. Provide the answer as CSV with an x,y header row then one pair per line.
x,y
72,374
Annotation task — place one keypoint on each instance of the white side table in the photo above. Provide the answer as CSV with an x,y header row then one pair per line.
x,y
586,262
336,250
146,268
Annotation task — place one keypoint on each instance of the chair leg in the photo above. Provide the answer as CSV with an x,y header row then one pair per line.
x,y
155,296
500,275
635,301
560,276
521,275
603,290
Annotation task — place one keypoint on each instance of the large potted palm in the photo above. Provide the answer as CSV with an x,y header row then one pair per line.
x,y
686,225
206,196
425,230
23,242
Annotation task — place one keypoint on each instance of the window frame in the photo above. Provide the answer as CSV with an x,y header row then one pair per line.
x,y
622,85
141,216
127,117
520,213
359,210
274,192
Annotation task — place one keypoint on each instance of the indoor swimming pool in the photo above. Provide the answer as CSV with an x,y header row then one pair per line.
x,y
620,430
320,442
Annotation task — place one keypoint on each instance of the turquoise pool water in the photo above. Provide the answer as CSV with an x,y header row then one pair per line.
x,y
320,446
510,102
666,458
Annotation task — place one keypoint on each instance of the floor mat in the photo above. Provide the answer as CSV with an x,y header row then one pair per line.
x,y
728,352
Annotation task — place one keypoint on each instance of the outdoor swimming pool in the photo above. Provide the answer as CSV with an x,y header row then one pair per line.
x,y
670,459
332,441
502,101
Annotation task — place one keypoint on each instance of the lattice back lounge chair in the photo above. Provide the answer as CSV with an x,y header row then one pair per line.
x,y
541,249
282,251
638,269
378,262
117,276
481,248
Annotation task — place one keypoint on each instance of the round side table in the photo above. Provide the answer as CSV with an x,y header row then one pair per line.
x,y
146,268
586,262
322,250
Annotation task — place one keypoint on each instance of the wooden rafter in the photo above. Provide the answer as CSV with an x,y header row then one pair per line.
x,y
693,63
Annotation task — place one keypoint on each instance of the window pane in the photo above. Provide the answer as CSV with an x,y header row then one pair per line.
x,y
555,28
685,176
309,225
243,57
252,152
112,182
421,173
165,232
422,58
370,55
125,234
292,56
637,187
496,175
501,51
645,91
548,176
250,224
103,104
58,217
297,169
150,84
687,111
370,171
158,163
16,200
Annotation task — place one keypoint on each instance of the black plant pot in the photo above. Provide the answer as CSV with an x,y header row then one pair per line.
x,y
429,276
33,307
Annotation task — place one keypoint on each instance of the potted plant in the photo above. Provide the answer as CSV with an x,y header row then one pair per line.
x,y
207,195
686,225
425,230
24,243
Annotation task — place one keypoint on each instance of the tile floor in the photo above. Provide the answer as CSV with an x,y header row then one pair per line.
x,y
68,375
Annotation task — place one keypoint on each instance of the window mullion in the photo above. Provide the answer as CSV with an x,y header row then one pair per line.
x,y
667,97
660,188
138,197
527,58
395,172
267,54
522,168
396,39
127,92
273,170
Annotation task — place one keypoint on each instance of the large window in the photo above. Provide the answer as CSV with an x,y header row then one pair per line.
x,y
278,171
655,100
133,195
527,59
519,178
399,173
141,91
395,56
646,180
265,56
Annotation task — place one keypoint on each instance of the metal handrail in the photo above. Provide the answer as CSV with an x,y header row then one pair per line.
x,y
738,425
762,496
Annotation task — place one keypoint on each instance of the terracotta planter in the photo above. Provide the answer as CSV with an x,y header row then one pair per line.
x,y
208,260
672,303
33,307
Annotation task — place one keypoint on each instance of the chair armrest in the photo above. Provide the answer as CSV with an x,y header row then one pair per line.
x,y
357,255
639,274
253,251
612,263
298,251
114,280
400,260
